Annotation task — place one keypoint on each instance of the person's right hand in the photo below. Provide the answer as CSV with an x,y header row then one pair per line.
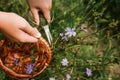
x,y
40,7
17,28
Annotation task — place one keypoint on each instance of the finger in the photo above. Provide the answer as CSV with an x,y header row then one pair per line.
x,y
25,37
22,37
28,38
31,31
37,33
10,37
35,14
47,15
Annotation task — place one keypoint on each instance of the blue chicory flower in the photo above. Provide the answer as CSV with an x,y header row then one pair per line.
x,y
29,68
16,60
64,62
70,32
68,76
63,37
88,72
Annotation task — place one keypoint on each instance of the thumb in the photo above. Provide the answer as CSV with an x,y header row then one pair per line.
x,y
35,14
47,16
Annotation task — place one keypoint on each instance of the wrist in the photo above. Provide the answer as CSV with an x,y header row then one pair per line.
x,y
2,18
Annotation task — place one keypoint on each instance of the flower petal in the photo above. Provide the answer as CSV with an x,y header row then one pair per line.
x,y
67,29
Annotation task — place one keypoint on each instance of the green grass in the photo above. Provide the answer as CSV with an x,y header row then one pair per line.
x,y
96,49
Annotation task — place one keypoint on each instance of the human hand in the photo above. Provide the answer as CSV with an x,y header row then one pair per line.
x,y
40,6
17,28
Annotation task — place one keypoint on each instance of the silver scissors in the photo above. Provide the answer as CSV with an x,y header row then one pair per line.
x,y
48,33
46,29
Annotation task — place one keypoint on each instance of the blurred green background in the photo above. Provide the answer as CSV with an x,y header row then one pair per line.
x,y
96,47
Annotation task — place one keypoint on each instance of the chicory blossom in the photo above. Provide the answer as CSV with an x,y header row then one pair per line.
x,y
29,68
88,72
63,37
16,60
52,78
64,62
70,32
68,76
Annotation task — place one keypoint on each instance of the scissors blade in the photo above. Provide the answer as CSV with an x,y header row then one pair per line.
x,y
48,34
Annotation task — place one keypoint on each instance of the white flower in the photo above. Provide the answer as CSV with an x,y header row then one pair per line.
x,y
70,32
52,78
68,76
64,62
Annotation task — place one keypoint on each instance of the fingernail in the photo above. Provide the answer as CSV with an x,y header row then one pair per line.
x,y
48,21
38,35
37,23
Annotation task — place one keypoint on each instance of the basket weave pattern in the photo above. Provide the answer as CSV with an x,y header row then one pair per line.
x,y
24,61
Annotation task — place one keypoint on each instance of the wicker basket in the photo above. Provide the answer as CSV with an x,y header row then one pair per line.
x,y
23,61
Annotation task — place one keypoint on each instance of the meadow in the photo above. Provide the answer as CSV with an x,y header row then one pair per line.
x,y
86,39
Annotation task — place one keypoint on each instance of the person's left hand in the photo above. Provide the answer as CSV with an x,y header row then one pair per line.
x,y
40,6
17,29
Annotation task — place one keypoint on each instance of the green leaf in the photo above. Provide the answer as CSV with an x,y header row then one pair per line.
x,y
102,20
2,75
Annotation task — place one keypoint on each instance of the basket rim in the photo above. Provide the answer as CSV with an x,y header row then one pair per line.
x,y
15,75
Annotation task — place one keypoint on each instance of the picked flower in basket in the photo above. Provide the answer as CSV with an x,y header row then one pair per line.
x,y
24,60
